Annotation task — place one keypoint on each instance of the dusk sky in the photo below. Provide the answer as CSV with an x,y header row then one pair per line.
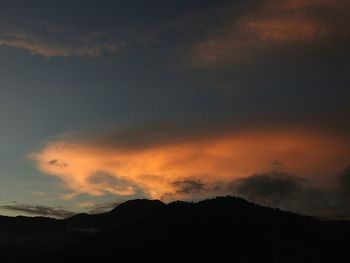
x,y
106,101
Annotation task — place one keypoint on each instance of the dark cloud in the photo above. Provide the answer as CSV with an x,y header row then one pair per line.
x,y
344,182
56,162
285,191
189,186
340,196
272,187
193,189
39,210
112,184
279,190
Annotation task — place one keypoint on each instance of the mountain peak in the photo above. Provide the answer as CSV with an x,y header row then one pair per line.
x,y
139,203
136,208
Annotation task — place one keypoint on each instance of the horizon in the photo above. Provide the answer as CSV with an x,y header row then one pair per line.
x,y
128,201
103,102
216,198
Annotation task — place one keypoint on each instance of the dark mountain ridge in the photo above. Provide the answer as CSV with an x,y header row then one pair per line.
x,y
223,229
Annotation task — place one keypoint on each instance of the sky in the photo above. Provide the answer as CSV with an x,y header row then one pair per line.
x,y
106,101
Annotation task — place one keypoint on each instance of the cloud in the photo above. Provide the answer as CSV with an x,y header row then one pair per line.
x,y
275,24
154,165
110,184
344,182
271,186
39,194
48,40
292,193
285,191
189,189
39,210
85,204
189,186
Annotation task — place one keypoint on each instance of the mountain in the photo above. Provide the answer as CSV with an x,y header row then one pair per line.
x,y
224,229
127,212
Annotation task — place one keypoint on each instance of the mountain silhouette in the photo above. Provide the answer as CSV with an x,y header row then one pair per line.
x,y
223,229
125,213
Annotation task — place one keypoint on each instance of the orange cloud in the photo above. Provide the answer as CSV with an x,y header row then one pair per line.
x,y
274,24
84,166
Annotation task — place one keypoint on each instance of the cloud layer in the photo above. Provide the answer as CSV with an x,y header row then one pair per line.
x,y
215,32
177,165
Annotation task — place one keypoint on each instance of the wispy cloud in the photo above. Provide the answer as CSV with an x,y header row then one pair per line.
x,y
39,210
51,41
274,24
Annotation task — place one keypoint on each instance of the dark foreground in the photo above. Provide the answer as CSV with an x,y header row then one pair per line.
x,y
224,229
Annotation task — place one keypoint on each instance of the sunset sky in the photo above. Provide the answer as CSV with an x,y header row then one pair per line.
x,y
106,101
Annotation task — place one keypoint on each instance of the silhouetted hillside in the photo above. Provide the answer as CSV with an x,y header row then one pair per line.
x,y
224,229
128,212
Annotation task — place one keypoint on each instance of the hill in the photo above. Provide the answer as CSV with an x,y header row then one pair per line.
x,y
224,229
